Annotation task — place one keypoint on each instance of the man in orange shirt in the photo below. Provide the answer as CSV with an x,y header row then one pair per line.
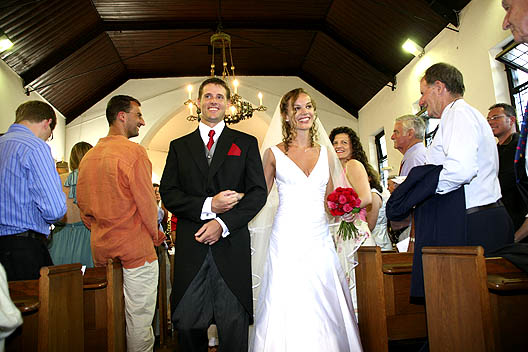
x,y
116,199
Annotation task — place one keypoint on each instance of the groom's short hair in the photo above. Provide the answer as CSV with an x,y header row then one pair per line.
x,y
217,81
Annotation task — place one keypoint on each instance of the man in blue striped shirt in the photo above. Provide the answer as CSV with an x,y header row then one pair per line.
x,y
31,196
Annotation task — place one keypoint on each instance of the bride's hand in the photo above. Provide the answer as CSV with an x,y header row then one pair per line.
x,y
348,217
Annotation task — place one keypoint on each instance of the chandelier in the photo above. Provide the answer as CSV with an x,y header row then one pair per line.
x,y
240,109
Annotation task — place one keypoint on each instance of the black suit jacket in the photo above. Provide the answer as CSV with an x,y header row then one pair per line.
x,y
187,181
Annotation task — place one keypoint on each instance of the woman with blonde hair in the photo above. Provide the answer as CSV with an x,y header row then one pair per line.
x,y
304,302
70,242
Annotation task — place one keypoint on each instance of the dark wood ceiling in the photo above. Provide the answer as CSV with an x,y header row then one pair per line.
x,y
75,52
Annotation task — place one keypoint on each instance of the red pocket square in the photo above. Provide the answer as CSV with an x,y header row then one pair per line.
x,y
234,150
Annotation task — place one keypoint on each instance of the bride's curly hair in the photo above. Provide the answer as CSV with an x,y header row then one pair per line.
x,y
288,128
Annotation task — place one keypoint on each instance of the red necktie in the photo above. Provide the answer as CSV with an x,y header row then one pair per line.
x,y
211,141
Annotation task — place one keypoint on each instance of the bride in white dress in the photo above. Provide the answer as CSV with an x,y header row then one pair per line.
x,y
304,302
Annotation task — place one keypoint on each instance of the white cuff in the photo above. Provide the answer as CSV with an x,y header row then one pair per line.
x,y
225,231
207,213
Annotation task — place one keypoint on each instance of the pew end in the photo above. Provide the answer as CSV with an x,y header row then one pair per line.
x,y
52,308
383,282
473,302
104,308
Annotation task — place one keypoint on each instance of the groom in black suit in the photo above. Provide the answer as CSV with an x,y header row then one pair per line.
x,y
214,184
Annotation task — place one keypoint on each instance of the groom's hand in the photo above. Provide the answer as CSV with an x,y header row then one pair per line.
x,y
209,233
224,201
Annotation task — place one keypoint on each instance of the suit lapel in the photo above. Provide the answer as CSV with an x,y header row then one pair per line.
x,y
224,142
196,149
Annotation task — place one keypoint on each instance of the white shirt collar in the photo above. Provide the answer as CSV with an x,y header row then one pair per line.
x,y
204,131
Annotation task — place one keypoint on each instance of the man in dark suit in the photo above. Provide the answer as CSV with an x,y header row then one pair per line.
x,y
214,184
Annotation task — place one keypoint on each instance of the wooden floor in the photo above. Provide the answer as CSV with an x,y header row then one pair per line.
x,y
172,345
396,346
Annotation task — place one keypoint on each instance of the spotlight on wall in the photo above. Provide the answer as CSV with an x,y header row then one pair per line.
x,y
5,43
413,48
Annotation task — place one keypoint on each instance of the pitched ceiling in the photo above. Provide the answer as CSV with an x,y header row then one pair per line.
x,y
76,52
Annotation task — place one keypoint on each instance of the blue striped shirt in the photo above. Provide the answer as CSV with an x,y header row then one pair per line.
x,y
31,196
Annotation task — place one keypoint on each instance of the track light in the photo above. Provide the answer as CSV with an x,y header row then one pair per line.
x,y
413,48
5,43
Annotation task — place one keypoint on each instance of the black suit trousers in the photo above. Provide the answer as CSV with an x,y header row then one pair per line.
x,y
209,300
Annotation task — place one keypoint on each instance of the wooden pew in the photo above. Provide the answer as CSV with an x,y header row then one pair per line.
x,y
104,312
473,303
383,282
55,323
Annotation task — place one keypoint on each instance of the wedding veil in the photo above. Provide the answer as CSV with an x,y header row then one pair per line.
x,y
260,226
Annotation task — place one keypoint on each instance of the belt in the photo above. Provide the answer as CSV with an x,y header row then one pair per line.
x,y
30,234
473,210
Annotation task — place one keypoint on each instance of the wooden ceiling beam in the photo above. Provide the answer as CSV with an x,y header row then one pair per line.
x,y
300,25
60,54
330,93
99,94
367,59
212,25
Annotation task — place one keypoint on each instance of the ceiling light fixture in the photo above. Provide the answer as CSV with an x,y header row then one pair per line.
x,y
240,109
413,48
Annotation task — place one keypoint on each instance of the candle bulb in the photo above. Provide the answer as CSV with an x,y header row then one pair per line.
x,y
260,98
189,89
190,108
235,84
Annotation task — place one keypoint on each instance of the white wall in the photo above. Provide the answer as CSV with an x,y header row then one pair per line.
x,y
472,51
12,94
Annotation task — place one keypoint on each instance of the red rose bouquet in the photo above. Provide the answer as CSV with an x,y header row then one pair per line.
x,y
344,201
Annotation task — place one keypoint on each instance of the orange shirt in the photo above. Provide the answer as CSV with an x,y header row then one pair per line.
x,y
117,203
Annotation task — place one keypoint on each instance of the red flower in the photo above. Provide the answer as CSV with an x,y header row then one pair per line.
x,y
341,201
332,205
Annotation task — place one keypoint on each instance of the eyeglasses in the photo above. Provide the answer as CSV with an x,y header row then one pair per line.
x,y
493,118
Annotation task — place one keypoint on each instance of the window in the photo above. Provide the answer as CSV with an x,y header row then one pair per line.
x,y
383,162
515,57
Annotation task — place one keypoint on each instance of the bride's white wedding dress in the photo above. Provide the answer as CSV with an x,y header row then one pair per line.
x,y
304,302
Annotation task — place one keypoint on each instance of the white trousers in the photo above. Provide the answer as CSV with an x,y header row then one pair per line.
x,y
140,289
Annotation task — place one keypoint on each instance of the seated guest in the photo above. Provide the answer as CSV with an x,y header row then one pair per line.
x,y
31,195
71,239
502,119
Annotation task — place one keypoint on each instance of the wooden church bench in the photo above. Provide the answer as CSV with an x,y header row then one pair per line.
x,y
55,323
474,303
383,281
104,312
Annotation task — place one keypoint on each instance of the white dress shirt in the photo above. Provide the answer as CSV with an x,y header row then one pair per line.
x,y
207,213
465,146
